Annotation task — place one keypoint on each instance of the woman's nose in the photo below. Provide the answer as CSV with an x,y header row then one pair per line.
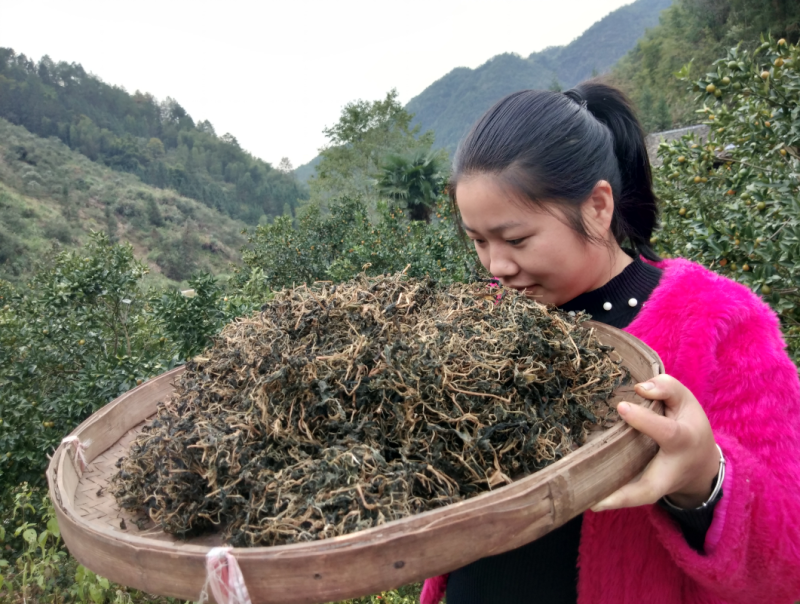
x,y
500,265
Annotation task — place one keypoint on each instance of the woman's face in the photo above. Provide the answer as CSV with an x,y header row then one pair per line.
x,y
531,249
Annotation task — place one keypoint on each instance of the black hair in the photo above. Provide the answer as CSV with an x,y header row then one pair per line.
x,y
554,147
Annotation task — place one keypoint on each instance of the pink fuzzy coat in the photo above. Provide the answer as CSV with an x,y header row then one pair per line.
x,y
723,343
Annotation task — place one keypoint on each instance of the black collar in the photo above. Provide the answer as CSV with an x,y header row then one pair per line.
x,y
635,283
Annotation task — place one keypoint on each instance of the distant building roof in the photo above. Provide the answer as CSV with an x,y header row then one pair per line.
x,y
652,140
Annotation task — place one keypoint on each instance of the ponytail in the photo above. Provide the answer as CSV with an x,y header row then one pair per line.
x,y
554,148
635,205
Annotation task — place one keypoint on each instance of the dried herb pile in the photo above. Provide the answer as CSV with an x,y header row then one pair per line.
x,y
338,408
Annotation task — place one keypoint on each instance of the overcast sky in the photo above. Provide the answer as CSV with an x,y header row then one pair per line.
x,y
274,74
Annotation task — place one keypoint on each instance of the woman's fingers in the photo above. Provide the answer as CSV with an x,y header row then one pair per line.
x,y
631,495
664,388
666,430
649,487
687,459
663,430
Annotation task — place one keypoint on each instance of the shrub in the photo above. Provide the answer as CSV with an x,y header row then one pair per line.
x,y
733,202
58,230
191,319
345,242
37,568
75,338
81,333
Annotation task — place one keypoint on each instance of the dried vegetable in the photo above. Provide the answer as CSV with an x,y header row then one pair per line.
x,y
341,407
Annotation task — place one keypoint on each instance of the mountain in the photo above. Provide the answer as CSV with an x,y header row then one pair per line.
x,y
306,171
453,103
157,141
695,33
51,197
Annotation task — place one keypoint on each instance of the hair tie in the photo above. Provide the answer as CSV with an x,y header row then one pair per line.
x,y
575,96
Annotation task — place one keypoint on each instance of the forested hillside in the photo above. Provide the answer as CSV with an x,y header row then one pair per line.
x,y
52,197
696,32
157,141
450,105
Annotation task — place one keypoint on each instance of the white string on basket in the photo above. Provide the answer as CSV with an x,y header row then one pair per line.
x,y
80,450
224,578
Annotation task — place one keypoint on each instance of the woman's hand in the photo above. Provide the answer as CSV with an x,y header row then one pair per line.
x,y
688,460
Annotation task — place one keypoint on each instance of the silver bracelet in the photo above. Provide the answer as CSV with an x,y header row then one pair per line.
x,y
714,493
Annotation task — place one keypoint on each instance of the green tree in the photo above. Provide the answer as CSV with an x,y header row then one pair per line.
x,y
154,212
155,148
645,106
178,261
77,337
83,331
68,209
654,114
414,181
365,133
191,318
663,118
732,202
285,166
111,222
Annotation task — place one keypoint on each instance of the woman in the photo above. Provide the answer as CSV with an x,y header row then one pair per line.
x,y
551,187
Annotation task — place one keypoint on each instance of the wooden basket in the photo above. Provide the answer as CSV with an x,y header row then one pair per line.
x,y
107,540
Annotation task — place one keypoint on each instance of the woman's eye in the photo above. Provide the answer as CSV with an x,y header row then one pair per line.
x,y
478,241
515,241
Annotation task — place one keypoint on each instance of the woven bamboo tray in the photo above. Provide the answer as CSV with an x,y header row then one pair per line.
x,y
107,540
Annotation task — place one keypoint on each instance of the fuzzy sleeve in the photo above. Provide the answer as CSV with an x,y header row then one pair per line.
x,y
752,550
433,590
